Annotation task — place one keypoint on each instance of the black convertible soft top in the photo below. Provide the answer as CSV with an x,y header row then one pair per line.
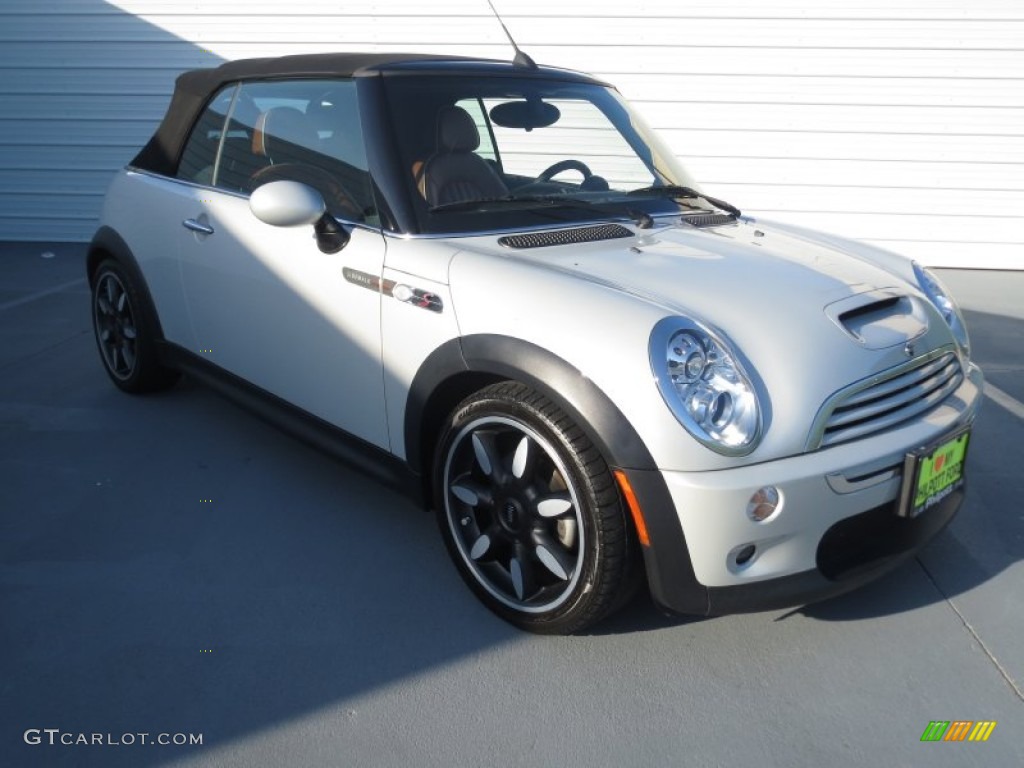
x,y
193,89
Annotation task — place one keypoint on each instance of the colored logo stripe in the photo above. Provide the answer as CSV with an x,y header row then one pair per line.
x,y
958,730
982,730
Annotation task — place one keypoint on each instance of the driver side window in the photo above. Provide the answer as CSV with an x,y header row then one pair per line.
x,y
297,130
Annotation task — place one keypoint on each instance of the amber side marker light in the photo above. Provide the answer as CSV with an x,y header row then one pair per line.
x,y
634,507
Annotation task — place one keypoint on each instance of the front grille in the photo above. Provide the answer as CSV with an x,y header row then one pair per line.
x,y
708,219
883,401
565,236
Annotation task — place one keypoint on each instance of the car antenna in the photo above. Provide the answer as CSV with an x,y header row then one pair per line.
x,y
521,60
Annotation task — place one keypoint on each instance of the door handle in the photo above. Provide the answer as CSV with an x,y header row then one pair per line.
x,y
195,226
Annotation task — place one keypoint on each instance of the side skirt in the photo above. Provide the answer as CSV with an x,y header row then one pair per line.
x,y
359,454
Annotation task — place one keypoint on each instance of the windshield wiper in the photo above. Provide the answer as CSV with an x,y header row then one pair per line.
x,y
641,219
675,190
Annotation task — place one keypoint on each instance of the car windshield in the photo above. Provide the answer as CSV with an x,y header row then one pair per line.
x,y
495,153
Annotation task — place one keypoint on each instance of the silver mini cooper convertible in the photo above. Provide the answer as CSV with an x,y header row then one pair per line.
x,y
491,283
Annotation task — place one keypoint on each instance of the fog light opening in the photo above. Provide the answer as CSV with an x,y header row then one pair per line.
x,y
745,555
764,504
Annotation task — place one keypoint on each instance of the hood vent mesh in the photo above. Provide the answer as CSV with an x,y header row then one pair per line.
x,y
709,219
565,236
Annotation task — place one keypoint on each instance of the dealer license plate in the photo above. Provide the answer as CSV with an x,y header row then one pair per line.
x,y
932,473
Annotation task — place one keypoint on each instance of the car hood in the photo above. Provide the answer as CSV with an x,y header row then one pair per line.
x,y
694,270
775,294
726,276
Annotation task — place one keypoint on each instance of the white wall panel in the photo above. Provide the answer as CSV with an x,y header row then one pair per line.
x,y
897,121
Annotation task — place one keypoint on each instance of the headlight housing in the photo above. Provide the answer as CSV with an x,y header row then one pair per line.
x,y
705,386
938,295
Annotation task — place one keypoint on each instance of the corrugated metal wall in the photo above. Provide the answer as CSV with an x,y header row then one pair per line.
x,y
900,122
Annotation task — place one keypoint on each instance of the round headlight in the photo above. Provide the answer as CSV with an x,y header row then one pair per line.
x,y
939,296
704,385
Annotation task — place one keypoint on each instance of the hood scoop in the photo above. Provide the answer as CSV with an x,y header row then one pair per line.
x,y
565,236
879,319
702,220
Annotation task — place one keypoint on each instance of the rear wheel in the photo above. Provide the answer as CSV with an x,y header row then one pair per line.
x,y
124,334
530,512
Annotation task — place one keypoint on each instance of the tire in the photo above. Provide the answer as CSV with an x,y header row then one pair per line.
x,y
125,334
530,512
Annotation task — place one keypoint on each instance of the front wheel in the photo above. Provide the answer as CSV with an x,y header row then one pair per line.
x,y
530,512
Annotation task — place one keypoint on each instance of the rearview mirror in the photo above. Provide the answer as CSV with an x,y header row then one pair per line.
x,y
528,114
287,204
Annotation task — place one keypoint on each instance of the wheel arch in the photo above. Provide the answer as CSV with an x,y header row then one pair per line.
x,y
464,365
108,244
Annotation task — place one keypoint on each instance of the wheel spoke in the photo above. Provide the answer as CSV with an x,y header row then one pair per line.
x,y
108,286
466,495
523,458
483,448
480,547
129,332
553,557
128,353
121,301
516,572
554,505
522,567
104,306
469,491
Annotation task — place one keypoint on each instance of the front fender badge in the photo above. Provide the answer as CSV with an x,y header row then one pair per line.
x,y
417,297
404,293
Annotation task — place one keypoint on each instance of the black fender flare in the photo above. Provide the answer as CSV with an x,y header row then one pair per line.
x,y
108,243
461,366
495,357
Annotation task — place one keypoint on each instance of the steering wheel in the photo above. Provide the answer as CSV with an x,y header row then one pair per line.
x,y
564,165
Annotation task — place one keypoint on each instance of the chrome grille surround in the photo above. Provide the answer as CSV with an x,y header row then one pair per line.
x,y
887,399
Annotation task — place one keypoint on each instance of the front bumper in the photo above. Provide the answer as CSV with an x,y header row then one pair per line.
x,y
836,529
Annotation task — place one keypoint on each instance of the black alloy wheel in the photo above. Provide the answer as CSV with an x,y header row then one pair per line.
x,y
530,512
124,335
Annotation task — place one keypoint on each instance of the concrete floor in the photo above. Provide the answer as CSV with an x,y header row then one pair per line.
x,y
169,564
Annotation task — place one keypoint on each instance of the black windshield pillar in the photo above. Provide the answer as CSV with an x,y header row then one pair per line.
x,y
384,158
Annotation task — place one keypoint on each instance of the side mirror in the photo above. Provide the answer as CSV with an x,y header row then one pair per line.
x,y
292,204
287,204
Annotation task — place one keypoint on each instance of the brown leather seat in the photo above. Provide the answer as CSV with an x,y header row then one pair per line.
x,y
455,172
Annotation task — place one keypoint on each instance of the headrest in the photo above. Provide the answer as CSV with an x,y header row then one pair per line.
x,y
282,124
456,131
335,118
